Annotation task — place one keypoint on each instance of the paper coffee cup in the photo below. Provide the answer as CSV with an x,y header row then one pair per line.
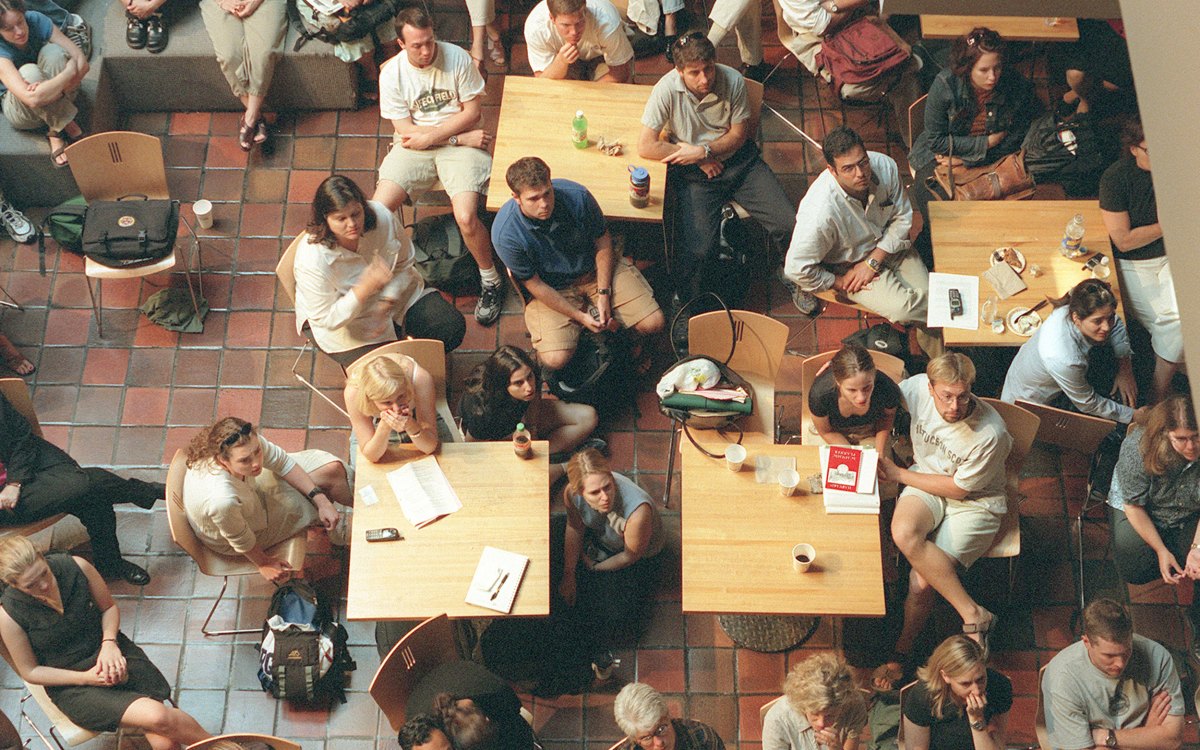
x,y
204,213
788,481
803,556
735,456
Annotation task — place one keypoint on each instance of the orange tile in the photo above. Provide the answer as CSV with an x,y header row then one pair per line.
x,y
105,366
145,406
663,669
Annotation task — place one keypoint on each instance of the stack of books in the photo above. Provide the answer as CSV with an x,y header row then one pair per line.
x,y
849,479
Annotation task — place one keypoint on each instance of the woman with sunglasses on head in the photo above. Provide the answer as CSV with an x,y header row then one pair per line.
x,y
957,702
388,395
243,494
821,708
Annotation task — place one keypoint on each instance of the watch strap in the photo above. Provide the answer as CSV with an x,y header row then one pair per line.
x,y
314,492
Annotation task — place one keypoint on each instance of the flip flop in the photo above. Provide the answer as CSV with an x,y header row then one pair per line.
x,y
983,629
495,49
57,152
260,131
246,135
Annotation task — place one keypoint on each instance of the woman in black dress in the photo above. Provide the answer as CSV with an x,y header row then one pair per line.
x,y
957,703
62,629
851,401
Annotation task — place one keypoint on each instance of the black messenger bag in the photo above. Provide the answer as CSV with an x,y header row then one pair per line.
x,y
131,231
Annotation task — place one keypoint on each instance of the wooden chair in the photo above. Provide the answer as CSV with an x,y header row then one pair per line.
x,y
754,102
1022,425
766,707
109,166
1039,716
429,354
421,649
891,366
285,272
17,393
916,123
61,729
212,563
900,727
1082,433
274,743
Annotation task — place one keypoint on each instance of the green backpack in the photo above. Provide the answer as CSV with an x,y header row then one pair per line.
x,y
65,225
441,257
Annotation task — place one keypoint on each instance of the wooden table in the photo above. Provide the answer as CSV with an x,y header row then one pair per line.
x,y
738,537
504,505
535,120
1012,28
965,233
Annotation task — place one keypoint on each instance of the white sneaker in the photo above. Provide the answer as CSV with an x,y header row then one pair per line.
x,y
18,226
78,31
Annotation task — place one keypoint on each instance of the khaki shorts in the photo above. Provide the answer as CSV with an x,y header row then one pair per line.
x,y
632,301
962,529
461,169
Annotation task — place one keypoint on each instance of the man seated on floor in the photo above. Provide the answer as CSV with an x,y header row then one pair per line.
x,y
711,159
953,498
578,40
854,233
1113,688
554,240
38,480
432,93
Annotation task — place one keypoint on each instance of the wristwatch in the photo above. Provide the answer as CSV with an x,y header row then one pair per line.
x,y
605,292
1111,740
453,140
979,726
314,492
833,7
707,151
874,264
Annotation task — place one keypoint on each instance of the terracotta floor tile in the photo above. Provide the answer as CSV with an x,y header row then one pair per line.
x,y
185,151
184,185
286,407
245,403
144,406
224,152
60,364
356,153
262,220
214,332
197,366
365,121
316,123
302,185
192,406
243,367
190,123
253,292
68,327
248,329
662,668
710,670
314,153
98,405
150,367
106,366
138,446
759,673
55,403
93,446
259,255
266,186
718,711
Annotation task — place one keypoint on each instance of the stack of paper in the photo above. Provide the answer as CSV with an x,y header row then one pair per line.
x,y
849,475
424,493
497,579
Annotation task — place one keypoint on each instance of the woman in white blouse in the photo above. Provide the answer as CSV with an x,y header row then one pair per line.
x,y
243,494
356,285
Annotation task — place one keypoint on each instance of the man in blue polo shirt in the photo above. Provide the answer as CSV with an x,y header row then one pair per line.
x,y
554,239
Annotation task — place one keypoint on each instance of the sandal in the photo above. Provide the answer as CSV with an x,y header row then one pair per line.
x,y
56,153
246,135
260,131
983,629
495,49
16,361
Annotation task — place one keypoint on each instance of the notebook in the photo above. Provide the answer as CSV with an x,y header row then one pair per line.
x,y
497,579
424,492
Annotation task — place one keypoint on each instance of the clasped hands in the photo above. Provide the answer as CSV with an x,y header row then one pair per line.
x,y
425,139
110,669
859,277
688,153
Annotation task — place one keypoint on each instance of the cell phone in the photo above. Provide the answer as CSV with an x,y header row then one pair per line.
x,y
956,305
384,535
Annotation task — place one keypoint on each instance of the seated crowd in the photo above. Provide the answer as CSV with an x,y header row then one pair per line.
x,y
859,235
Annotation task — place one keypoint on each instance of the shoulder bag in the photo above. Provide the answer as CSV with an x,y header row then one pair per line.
x,y
130,231
1006,179
859,52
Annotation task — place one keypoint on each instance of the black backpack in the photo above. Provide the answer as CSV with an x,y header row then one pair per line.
x,y
442,258
600,373
303,655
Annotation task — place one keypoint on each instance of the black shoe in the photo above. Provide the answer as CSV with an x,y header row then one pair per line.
x,y
757,72
148,493
135,32
156,34
127,571
491,302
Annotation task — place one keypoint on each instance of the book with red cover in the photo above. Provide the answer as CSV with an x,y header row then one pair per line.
x,y
842,472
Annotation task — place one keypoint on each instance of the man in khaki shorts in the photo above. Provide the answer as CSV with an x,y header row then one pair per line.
x,y
431,92
953,498
554,239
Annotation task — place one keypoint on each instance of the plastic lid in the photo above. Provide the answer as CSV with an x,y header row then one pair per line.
x,y
579,113
520,426
640,173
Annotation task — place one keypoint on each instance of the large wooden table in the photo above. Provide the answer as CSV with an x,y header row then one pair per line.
x,y
1012,28
965,233
738,537
504,505
535,120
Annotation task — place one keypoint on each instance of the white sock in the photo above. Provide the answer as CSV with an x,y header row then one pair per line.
x,y
490,276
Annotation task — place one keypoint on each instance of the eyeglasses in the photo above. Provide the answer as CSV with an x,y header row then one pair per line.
x,y
236,436
659,731
963,400
1145,149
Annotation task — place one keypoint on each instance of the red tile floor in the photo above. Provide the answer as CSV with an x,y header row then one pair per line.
x,y
130,400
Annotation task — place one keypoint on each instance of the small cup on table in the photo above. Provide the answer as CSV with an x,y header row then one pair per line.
x,y
735,456
803,556
789,480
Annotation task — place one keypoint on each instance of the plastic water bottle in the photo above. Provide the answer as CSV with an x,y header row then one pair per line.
x,y
639,187
1072,243
522,442
579,130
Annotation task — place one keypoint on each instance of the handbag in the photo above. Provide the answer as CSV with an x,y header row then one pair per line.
x,y
1006,179
314,21
130,231
1066,148
859,52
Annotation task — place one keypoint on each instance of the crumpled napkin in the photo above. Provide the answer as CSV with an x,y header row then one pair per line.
x,y
1004,280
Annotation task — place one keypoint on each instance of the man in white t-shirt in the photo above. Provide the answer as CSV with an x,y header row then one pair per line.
x,y
578,39
432,94
954,494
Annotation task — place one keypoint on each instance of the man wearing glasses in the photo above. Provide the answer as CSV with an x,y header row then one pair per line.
x,y
953,498
641,713
854,233
1112,688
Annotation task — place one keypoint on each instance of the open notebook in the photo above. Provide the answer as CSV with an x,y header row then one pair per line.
x,y
424,492
497,579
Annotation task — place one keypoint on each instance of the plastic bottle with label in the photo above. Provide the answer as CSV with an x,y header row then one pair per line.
x,y
522,442
1072,242
579,135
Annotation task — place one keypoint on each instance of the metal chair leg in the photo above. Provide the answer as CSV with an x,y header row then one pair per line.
x,y
309,385
97,298
204,628
36,730
11,301
666,498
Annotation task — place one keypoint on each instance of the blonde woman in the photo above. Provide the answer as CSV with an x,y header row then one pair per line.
x,y
957,702
391,393
822,708
63,630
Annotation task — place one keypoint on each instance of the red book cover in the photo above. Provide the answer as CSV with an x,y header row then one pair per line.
x,y
842,472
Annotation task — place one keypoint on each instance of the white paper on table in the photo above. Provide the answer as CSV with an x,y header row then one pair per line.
x,y
423,491
366,493
940,285
497,579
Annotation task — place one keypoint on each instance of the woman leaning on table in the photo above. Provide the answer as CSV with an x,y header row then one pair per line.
x,y
248,37
957,703
821,707
851,401
392,394
243,494
63,631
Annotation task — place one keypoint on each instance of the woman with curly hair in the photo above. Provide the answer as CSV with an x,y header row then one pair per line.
x,y
243,494
957,703
822,707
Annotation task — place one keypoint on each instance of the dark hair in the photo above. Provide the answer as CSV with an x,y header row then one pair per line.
x,y
693,47
839,142
1132,133
333,195
488,411
966,51
418,729
414,16
850,360
527,172
1107,619
468,727
1172,413
215,441
1087,297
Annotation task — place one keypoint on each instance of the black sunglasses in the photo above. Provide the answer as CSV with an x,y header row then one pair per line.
x,y
988,40
236,436
689,37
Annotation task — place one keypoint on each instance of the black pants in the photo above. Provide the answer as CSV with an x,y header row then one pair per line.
x,y
1137,563
89,495
432,317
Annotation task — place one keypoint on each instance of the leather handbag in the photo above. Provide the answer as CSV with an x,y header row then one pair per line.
x,y
130,231
1006,179
859,52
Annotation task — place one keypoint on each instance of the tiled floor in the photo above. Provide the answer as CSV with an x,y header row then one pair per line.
x,y
130,400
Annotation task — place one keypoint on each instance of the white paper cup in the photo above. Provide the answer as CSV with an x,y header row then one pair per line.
x,y
803,556
788,481
204,213
735,456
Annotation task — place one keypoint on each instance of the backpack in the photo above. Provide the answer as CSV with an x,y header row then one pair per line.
x,y
1065,147
303,656
442,258
65,224
859,52
600,372
313,21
